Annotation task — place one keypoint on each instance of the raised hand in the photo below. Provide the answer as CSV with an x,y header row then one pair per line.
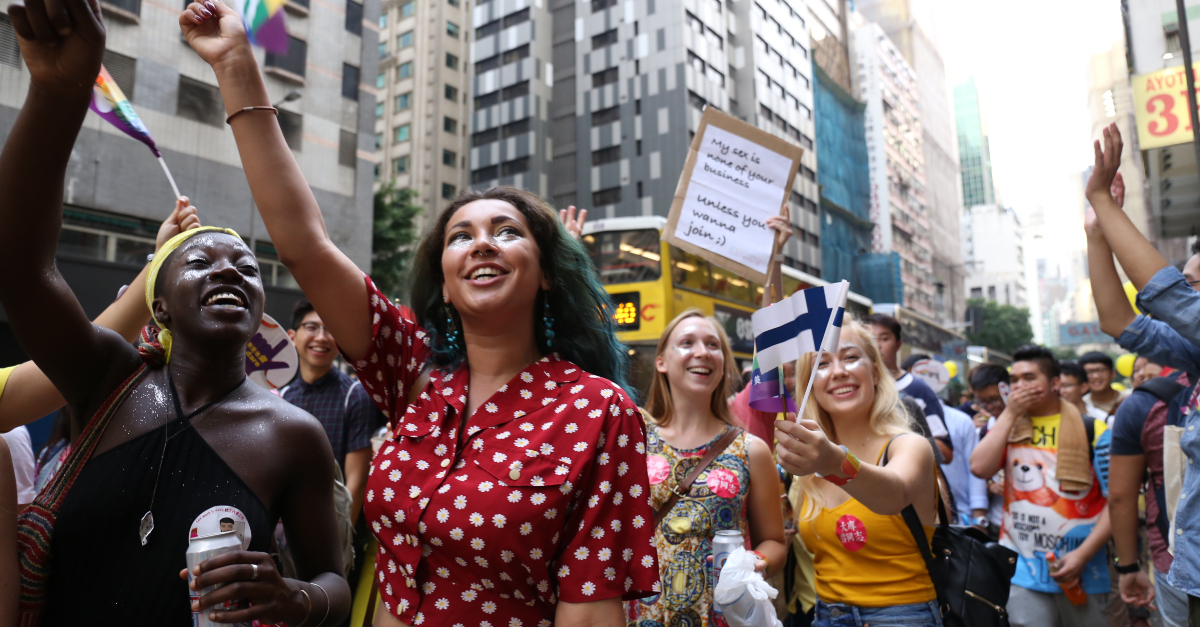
x,y
573,223
183,218
782,224
803,448
1104,170
62,42
215,32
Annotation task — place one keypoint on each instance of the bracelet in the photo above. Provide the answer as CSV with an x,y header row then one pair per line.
x,y
1125,570
326,603
763,558
848,470
309,610
229,119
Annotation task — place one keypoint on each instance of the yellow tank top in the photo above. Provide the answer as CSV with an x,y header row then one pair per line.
x,y
864,559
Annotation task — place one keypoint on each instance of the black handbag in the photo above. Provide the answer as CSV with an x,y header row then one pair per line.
x,y
972,574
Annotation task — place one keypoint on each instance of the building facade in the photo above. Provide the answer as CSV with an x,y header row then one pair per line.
x,y
116,193
975,156
421,117
943,197
993,249
894,137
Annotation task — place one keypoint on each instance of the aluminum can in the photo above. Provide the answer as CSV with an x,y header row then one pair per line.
x,y
724,543
203,548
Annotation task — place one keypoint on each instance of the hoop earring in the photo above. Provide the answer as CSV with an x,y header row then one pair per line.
x,y
548,320
452,334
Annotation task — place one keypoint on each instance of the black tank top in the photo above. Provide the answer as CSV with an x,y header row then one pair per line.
x,y
100,574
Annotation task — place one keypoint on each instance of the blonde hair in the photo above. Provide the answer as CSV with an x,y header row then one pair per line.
x,y
660,407
888,416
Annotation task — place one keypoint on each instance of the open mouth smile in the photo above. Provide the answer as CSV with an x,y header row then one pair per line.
x,y
225,298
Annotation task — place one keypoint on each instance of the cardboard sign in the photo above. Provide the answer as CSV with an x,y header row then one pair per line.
x,y
736,176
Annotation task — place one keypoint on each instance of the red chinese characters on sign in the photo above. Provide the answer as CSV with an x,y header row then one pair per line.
x,y
851,532
723,483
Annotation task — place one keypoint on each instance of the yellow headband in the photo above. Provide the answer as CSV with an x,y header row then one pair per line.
x,y
156,264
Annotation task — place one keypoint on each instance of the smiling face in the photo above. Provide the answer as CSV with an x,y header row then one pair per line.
x,y
1099,377
693,358
315,345
845,382
491,264
1072,389
210,291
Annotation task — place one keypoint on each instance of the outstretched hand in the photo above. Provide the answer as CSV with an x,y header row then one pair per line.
x,y
215,32
62,42
1104,170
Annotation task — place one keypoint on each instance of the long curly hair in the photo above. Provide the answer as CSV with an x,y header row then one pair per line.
x,y
888,417
584,332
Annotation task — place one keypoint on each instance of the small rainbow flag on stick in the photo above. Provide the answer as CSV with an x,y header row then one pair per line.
x,y
110,103
264,24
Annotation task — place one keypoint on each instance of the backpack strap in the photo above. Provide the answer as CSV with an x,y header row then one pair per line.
x,y
1162,388
680,490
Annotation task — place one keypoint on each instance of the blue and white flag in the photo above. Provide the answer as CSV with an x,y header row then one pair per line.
x,y
797,324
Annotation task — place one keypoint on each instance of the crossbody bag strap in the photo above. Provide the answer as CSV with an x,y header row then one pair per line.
x,y
681,490
913,520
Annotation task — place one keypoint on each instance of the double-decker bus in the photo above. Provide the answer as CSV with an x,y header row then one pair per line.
x,y
650,283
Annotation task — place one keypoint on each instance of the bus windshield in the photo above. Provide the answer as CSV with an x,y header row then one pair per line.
x,y
625,256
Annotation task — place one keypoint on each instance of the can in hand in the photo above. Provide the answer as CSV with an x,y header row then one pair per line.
x,y
724,543
199,550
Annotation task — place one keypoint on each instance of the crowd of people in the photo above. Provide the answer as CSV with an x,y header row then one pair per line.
x,y
488,462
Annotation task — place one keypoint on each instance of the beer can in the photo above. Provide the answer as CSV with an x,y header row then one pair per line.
x,y
724,543
199,550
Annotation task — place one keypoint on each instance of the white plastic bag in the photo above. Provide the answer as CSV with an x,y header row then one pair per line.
x,y
742,595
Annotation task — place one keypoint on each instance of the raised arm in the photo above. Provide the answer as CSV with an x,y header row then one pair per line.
x,y
328,277
30,395
1111,302
1136,254
62,42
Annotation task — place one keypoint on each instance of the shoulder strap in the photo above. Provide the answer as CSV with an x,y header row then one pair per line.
x,y
1162,388
349,393
913,520
680,490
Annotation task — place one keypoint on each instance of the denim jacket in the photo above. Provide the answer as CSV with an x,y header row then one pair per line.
x,y
1173,342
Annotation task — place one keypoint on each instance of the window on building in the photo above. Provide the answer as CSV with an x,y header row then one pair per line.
x,y
451,93
514,167
200,102
452,30
606,116
354,17
294,61
347,148
696,101
10,50
520,127
449,124
349,81
400,165
606,155
487,64
600,5
408,9
512,92
378,141
512,19
976,292
404,70
383,51
450,158
487,100
451,61
452,3
378,109
607,38
404,40
402,132
449,191
402,102
292,125
487,30
376,171
122,68
991,292
485,137
489,173
516,54
639,189
132,6
383,20
604,77
381,81
610,196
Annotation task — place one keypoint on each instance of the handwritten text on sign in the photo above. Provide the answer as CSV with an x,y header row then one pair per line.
x,y
735,186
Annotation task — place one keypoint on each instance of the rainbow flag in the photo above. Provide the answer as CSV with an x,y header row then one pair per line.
x,y
766,392
264,24
111,104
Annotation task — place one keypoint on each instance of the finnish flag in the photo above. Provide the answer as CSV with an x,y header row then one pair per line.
x,y
797,324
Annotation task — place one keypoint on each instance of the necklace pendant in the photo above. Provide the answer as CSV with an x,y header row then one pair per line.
x,y
147,527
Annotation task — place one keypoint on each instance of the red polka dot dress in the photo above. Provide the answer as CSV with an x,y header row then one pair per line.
x,y
544,498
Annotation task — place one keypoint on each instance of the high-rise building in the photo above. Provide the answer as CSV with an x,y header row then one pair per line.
x,y
911,32
116,194
994,253
612,105
974,155
895,155
421,117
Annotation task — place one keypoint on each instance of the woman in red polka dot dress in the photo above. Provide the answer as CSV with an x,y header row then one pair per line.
x,y
512,491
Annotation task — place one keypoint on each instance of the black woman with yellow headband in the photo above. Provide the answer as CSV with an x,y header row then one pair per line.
x,y
166,433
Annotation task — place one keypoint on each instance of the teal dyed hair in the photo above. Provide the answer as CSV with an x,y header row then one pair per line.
x,y
584,331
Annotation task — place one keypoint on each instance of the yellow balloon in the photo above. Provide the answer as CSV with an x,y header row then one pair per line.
x,y
952,368
1131,293
1118,387
1125,364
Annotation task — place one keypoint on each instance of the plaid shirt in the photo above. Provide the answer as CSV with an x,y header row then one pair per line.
x,y
341,405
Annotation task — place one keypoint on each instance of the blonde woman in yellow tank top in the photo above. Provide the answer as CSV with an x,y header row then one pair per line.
x,y
868,568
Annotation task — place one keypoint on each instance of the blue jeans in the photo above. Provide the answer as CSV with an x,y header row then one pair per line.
x,y
841,615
